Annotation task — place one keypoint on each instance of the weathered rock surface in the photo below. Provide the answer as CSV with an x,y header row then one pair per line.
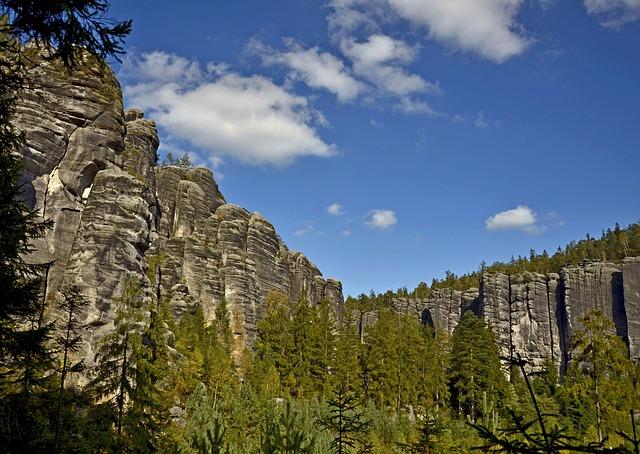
x,y
533,314
221,250
631,292
91,168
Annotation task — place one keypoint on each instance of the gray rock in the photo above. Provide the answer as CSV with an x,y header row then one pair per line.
x,y
91,168
631,288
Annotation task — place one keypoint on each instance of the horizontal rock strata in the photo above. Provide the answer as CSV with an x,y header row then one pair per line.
x,y
91,168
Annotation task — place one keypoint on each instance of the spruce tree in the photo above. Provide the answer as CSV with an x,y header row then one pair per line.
x,y
72,306
346,368
599,388
346,421
118,355
275,341
287,435
477,383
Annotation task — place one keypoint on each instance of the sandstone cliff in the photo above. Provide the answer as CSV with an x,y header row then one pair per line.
x,y
535,314
91,168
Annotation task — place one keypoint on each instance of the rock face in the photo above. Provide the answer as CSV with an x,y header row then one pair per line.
x,y
91,168
535,314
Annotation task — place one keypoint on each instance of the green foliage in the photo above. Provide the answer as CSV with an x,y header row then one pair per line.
x,y
601,384
613,245
287,435
69,342
348,352
346,421
184,161
66,27
478,385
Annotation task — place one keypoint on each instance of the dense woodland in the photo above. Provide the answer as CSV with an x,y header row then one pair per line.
x,y
613,245
313,383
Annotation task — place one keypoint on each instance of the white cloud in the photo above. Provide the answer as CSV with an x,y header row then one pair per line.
x,y
613,13
335,209
346,232
316,69
349,15
415,106
307,227
158,66
520,218
485,27
248,118
381,219
380,59
481,121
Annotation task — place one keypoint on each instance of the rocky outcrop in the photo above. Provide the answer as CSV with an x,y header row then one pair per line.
x,y
631,298
91,168
218,250
534,315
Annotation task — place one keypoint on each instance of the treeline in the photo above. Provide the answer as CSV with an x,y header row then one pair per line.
x,y
613,245
313,383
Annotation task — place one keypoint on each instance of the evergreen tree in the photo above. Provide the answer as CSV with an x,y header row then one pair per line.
x,y
287,435
65,30
299,380
223,325
169,160
72,305
322,348
477,383
346,367
184,161
346,421
599,388
275,341
118,356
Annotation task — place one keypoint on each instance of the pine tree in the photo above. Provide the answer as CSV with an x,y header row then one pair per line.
x,y
599,388
287,435
301,356
477,383
223,325
72,305
184,161
66,31
322,348
118,356
275,342
346,421
346,367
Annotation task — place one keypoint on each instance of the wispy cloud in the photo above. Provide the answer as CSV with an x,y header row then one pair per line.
x,y
481,121
335,209
308,228
613,13
315,68
381,219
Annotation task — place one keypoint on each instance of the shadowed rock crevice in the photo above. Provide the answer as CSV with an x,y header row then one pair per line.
x,y
92,168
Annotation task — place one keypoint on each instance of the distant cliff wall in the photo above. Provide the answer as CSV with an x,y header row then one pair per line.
x,y
91,168
535,314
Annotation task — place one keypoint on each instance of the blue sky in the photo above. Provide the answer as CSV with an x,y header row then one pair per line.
x,y
391,140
